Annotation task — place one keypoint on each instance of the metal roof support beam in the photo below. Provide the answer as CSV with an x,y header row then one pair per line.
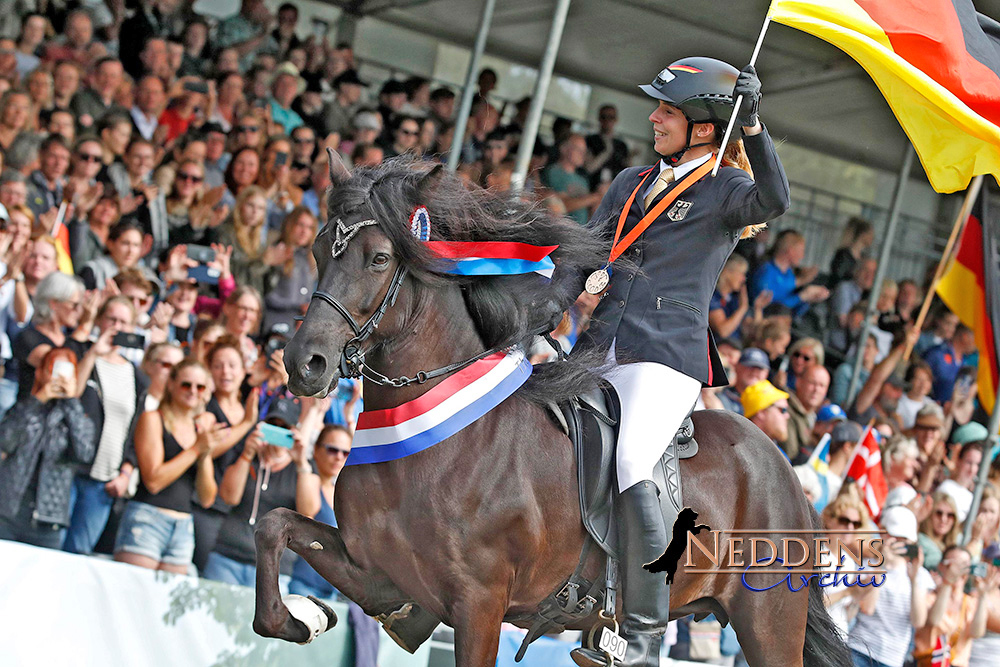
x,y
534,118
462,120
883,266
347,27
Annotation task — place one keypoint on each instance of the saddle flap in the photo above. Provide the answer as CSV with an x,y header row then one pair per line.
x,y
593,428
592,425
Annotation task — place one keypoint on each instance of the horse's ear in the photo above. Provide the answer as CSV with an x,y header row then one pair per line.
x,y
339,172
429,181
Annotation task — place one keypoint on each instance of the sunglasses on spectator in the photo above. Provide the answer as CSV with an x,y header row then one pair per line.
x,y
851,523
188,386
411,133
89,157
194,178
247,128
946,515
330,449
800,355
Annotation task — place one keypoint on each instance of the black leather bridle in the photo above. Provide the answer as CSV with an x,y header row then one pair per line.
x,y
352,357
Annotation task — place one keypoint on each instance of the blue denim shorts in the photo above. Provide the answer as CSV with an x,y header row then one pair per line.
x,y
146,531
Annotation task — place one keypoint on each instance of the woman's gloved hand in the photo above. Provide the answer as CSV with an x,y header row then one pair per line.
x,y
748,85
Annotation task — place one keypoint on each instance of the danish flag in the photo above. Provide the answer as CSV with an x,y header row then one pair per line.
x,y
865,467
941,657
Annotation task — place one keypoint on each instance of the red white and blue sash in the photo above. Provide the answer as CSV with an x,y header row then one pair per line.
x,y
386,435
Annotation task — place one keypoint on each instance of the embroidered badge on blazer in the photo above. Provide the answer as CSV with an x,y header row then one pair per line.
x,y
679,210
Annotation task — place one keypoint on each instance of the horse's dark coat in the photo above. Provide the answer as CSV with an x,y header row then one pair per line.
x,y
486,524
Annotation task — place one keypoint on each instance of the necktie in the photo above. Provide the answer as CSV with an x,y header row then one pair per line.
x,y
665,178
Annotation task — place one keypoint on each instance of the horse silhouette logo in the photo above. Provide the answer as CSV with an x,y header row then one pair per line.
x,y
684,524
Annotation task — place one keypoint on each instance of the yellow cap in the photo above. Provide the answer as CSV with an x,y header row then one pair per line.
x,y
759,397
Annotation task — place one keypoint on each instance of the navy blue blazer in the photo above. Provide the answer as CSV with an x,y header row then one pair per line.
x,y
656,307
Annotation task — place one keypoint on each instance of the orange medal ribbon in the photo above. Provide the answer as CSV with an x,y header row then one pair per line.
x,y
599,279
618,248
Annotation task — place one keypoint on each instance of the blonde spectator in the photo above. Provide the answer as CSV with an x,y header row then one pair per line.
x,y
940,530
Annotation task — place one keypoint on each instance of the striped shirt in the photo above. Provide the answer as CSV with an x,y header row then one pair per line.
x,y
985,651
885,635
118,400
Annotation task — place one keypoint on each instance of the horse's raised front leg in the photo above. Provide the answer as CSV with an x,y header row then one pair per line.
x,y
271,616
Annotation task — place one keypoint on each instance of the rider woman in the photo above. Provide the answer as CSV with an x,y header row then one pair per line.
x,y
658,316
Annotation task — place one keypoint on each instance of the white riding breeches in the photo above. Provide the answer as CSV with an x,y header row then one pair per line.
x,y
655,399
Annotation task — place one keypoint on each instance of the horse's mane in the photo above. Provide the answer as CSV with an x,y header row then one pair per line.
x,y
503,308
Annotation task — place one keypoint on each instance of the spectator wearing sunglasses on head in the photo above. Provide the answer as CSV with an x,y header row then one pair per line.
x,y
173,447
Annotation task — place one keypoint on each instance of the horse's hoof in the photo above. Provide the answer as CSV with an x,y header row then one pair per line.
x,y
315,615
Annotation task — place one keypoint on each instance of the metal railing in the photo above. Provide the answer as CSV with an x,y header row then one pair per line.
x,y
821,215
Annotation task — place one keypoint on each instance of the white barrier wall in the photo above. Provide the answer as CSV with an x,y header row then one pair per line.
x,y
61,609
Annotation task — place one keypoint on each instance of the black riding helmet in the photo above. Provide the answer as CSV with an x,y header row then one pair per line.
x,y
702,88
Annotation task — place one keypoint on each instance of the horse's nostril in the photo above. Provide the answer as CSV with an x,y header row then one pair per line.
x,y
315,366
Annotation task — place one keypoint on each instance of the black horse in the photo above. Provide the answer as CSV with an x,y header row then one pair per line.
x,y
486,524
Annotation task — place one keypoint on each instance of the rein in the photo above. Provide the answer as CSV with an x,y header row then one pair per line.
x,y
352,357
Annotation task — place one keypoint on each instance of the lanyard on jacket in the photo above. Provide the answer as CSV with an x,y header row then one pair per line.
x,y
618,248
599,279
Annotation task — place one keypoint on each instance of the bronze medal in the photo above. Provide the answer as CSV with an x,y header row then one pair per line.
x,y
597,281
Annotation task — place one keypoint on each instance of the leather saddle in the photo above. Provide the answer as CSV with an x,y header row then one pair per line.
x,y
591,422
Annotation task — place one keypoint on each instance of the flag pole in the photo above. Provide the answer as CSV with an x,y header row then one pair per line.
x,y
985,464
60,217
739,98
468,92
956,233
883,266
857,448
522,161
984,471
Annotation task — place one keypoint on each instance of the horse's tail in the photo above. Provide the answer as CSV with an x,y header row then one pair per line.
x,y
824,644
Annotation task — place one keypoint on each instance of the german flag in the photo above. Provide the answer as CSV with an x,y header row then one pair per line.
x,y
60,236
937,62
971,288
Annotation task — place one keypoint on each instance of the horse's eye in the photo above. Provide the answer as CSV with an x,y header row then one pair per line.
x,y
380,259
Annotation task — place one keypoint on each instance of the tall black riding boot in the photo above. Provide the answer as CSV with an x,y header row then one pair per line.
x,y
645,596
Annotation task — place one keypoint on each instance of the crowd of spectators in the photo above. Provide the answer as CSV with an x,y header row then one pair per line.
x,y
789,336
162,179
